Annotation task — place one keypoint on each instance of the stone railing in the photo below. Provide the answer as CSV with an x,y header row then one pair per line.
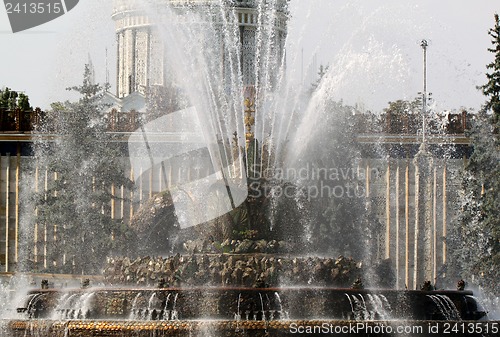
x,y
124,121
365,123
411,124
20,121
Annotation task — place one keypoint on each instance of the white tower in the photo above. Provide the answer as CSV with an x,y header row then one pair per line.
x,y
136,42
141,54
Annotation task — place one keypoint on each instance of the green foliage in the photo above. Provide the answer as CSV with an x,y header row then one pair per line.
x,y
11,100
249,234
492,87
401,107
85,166
346,224
321,73
163,99
475,241
24,102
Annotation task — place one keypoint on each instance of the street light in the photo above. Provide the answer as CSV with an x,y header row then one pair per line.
x,y
424,44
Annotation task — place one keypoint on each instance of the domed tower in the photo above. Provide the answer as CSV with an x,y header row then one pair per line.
x,y
136,43
140,51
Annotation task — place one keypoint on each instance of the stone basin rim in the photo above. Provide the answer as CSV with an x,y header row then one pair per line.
x,y
251,289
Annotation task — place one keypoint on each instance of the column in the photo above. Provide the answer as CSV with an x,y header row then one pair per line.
x,y
407,227
388,212
423,260
397,227
445,208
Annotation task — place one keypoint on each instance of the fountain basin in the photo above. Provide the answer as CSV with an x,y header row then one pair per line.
x,y
249,304
110,328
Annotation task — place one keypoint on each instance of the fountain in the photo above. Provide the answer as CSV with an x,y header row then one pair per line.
x,y
223,178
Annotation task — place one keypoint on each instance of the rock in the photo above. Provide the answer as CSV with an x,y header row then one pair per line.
x,y
205,261
216,277
358,284
240,264
226,276
319,272
155,221
334,274
230,262
237,275
340,261
248,278
251,262
260,283
272,276
227,245
245,246
264,263
236,270
329,263
260,246
272,246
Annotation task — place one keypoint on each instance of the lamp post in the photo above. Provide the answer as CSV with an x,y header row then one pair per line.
x,y
424,266
424,44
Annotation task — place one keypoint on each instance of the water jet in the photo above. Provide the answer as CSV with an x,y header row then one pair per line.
x,y
249,265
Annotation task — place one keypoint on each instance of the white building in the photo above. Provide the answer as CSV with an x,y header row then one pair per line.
x,y
143,50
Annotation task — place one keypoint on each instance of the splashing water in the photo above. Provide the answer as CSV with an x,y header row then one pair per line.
x,y
381,307
446,307
134,311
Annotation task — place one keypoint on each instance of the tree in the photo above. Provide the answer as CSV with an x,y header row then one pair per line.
x,y
401,107
492,88
11,100
475,241
321,73
85,165
23,102
342,221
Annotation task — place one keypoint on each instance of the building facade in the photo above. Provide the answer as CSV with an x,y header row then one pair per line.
x,y
391,174
388,167
142,42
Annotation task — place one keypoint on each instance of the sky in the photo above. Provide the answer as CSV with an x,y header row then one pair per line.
x,y
372,49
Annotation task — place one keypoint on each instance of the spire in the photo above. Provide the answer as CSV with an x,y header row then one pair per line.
x,y
107,70
92,70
